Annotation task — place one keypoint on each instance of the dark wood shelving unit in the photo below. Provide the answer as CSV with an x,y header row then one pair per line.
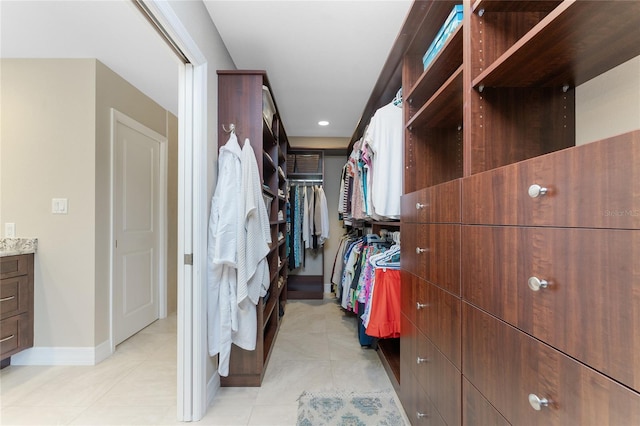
x,y
492,115
240,96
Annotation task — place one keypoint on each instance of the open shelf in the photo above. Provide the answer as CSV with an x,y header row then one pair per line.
x,y
515,6
575,42
444,109
446,62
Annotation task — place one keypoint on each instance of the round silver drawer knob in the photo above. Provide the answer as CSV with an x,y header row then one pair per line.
x,y
421,305
537,403
536,283
420,206
536,191
420,250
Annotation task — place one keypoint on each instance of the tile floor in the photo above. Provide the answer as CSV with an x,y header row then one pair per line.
x,y
316,349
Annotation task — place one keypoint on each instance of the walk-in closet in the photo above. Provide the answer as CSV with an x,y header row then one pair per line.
x,y
396,212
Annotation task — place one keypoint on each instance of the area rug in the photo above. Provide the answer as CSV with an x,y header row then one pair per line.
x,y
348,409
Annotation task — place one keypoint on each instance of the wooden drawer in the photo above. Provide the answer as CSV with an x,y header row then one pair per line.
x,y
13,266
594,186
413,235
419,409
410,206
436,204
432,252
408,297
507,365
15,334
590,310
476,410
438,317
440,379
15,296
408,339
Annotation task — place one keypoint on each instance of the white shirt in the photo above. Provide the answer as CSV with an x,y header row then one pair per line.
x,y
384,136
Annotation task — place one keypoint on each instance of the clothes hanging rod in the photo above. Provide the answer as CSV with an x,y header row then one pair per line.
x,y
306,181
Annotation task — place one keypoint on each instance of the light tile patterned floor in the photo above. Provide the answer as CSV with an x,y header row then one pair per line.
x,y
316,349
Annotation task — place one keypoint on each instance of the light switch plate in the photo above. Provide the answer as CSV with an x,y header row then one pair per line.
x,y
9,230
59,206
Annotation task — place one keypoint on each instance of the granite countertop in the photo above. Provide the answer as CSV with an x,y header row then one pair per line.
x,y
15,246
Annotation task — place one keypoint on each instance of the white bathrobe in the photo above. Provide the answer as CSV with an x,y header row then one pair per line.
x,y
254,237
222,254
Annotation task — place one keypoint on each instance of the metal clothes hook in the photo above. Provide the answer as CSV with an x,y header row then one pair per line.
x,y
232,128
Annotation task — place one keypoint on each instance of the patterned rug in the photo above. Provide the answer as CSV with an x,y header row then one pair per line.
x,y
348,409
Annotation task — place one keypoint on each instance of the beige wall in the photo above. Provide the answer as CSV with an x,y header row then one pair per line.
x,y
333,170
55,142
48,150
609,104
112,91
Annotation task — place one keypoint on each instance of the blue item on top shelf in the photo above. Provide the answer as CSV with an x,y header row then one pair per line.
x,y
450,25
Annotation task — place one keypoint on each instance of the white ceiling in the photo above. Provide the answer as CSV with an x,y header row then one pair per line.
x,y
114,32
322,57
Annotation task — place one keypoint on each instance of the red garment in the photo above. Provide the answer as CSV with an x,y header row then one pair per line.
x,y
384,319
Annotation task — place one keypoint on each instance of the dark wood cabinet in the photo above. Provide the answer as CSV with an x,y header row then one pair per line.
x,y
246,101
519,249
16,304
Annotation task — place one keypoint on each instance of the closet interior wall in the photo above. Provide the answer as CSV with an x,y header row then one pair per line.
x,y
519,248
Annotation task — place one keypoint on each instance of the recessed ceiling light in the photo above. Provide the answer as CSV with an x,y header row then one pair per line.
x,y
323,123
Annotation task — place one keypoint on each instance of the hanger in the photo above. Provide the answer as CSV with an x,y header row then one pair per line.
x,y
397,100
388,259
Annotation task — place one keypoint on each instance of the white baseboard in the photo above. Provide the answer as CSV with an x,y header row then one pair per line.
x,y
62,355
103,351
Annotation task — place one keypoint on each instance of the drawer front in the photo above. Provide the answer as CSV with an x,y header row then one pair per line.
x,y
440,252
15,296
591,307
408,295
440,379
436,204
432,252
15,334
13,266
593,186
419,409
413,236
438,317
507,366
408,340
476,410
411,206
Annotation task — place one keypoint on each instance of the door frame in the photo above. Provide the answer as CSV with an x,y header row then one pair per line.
x,y
161,282
192,217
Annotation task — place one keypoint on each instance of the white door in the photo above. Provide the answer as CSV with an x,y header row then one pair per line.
x,y
137,218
